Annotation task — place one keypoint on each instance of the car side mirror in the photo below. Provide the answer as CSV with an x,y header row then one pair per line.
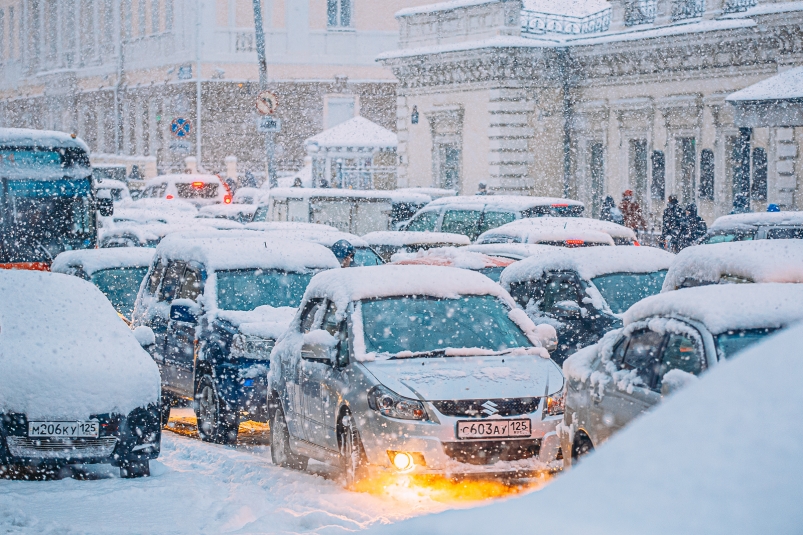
x,y
145,336
319,346
676,380
567,310
183,312
104,203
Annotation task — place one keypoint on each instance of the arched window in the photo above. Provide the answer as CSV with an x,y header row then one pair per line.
x,y
338,13
707,174
758,186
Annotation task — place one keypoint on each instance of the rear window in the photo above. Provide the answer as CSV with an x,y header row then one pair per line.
x,y
724,237
424,222
465,222
492,220
731,343
197,190
788,233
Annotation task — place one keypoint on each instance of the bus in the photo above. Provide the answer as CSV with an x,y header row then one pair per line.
x,y
47,203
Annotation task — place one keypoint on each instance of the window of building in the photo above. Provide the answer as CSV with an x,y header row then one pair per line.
x,y
141,18
11,32
168,15
658,184
448,165
739,169
758,187
597,173
687,9
339,110
686,165
707,174
640,12
338,13
2,35
637,167
156,14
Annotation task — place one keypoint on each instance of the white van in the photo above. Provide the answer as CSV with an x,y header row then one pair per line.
x,y
200,190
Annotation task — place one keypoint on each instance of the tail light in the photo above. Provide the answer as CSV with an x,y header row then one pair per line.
x,y
575,242
227,199
168,197
636,243
560,205
198,185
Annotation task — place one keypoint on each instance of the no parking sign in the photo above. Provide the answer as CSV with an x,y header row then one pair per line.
x,y
181,127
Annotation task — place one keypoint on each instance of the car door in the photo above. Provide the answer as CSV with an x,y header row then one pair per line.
x,y
293,376
171,283
181,333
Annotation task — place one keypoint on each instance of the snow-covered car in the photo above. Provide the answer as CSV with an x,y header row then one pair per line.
x,y
473,215
118,273
562,232
118,190
199,190
75,385
248,195
736,262
584,292
516,251
215,303
241,213
490,266
756,226
413,369
388,243
667,341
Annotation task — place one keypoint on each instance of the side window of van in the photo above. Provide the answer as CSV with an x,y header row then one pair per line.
x,y
191,284
465,222
424,222
492,220
156,277
172,281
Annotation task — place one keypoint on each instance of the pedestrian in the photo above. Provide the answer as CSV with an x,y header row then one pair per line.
x,y
297,182
631,212
249,181
482,189
344,252
672,221
610,212
692,227
772,207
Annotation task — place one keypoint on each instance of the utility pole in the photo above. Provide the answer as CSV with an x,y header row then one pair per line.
x,y
259,33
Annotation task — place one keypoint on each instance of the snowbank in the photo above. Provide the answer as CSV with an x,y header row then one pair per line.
x,y
65,354
92,260
726,306
401,239
753,261
705,461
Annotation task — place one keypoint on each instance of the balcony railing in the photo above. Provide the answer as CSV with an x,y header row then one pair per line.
x,y
687,9
536,23
735,6
640,12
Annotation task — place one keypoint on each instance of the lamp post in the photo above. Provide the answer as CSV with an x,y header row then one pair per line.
x,y
259,34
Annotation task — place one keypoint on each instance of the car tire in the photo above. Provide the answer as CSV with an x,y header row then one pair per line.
x,y
164,409
216,421
352,453
280,452
581,447
134,469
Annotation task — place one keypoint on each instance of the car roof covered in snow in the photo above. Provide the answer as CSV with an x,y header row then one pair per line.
x,y
724,307
531,229
451,256
747,261
183,179
26,137
322,236
434,193
549,236
354,284
65,354
402,238
501,202
290,226
92,260
335,193
695,452
757,219
235,250
162,205
512,250
589,262
225,210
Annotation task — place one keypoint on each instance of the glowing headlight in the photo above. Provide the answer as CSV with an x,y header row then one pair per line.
x,y
556,403
389,403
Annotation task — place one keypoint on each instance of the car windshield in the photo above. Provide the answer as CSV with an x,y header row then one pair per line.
x,y
422,324
246,289
120,286
365,256
492,273
785,233
729,236
622,290
732,342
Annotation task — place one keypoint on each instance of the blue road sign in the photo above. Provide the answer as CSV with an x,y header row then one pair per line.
x,y
181,127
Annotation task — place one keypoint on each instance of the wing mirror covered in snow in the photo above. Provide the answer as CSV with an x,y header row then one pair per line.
x,y
567,310
319,346
145,336
104,203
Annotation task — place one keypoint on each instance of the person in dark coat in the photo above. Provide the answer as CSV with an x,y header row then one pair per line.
x,y
631,211
610,212
692,228
672,224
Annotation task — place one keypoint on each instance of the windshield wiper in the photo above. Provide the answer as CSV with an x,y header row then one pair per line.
x,y
419,354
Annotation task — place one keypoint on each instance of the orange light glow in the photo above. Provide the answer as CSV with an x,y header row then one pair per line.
x,y
636,243
227,199
574,242
560,205
197,185
168,197
32,266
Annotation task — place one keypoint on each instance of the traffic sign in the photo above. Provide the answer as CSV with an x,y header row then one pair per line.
x,y
269,124
181,127
267,102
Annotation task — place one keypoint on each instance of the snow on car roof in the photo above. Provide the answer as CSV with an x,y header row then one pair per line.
x,y
110,183
512,250
400,239
325,238
225,210
758,219
546,235
521,227
169,205
754,261
26,137
354,284
504,202
724,307
64,352
434,193
589,262
306,193
290,226
451,256
183,179
232,250
695,452
92,260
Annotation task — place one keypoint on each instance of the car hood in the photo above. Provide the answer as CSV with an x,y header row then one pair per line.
x,y
455,378
262,322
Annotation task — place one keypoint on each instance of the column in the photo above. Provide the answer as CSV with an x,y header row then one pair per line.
x,y
741,172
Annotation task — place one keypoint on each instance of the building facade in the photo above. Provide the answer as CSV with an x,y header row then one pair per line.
x,y
625,94
120,72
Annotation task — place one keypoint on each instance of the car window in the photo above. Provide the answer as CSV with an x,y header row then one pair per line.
x,y
465,222
643,355
172,281
559,287
683,352
310,315
191,285
425,222
789,233
261,214
156,277
724,237
337,329
365,256
730,343
623,290
491,220
618,355
120,286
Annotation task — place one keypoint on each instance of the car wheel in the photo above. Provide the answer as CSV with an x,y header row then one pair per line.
x,y
352,453
280,452
132,469
581,446
216,421
164,410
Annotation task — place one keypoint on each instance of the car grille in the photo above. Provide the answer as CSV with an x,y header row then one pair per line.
x,y
483,408
490,452
48,448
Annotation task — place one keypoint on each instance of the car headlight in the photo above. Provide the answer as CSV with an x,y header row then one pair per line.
x,y
556,403
251,347
389,403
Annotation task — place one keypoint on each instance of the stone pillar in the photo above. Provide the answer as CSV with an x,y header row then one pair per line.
x,y
782,179
741,172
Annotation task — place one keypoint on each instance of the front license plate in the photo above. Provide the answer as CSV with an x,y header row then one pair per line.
x,y
494,429
87,429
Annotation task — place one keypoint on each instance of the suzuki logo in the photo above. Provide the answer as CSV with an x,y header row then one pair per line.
x,y
489,408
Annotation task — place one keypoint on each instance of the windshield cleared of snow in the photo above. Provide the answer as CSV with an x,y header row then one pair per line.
x,y
247,289
120,286
622,290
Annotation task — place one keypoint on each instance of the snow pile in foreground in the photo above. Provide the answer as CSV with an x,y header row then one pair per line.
x,y
64,352
722,456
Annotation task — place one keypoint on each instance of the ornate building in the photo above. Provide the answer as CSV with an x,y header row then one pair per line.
x,y
545,97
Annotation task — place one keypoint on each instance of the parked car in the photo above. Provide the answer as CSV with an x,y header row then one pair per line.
x,y
118,190
248,195
241,213
561,231
473,215
736,262
75,385
413,369
516,251
490,266
756,226
388,243
667,341
199,190
215,306
584,292
118,273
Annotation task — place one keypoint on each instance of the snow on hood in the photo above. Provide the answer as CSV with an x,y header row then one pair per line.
x,y
262,322
162,205
92,260
538,225
451,256
547,235
730,463
724,307
513,250
402,238
757,219
64,352
588,262
754,261
472,377
324,237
